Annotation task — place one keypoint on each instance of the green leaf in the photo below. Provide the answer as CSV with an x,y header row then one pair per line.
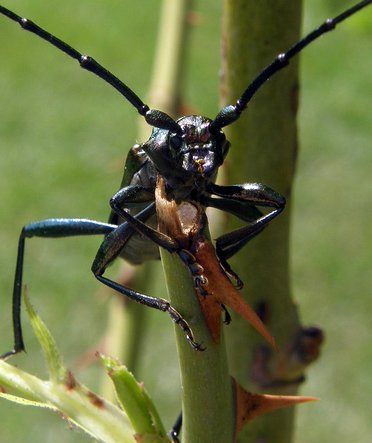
x,y
80,406
56,368
63,393
136,402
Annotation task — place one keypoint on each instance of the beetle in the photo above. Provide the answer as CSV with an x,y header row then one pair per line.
x,y
187,153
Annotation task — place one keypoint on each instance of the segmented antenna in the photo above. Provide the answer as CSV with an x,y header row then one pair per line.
x,y
231,113
152,116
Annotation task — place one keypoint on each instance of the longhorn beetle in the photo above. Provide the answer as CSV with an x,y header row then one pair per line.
x,y
187,153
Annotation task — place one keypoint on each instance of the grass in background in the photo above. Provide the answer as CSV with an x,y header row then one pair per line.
x,y
63,139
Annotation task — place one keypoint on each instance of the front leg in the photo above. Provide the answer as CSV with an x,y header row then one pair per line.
x,y
115,241
130,196
242,201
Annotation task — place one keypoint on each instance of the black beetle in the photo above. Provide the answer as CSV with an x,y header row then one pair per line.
x,y
187,154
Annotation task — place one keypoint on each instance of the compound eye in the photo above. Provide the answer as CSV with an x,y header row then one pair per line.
x,y
175,142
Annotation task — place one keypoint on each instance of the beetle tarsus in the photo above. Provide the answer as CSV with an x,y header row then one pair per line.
x,y
182,323
9,354
227,316
196,270
175,431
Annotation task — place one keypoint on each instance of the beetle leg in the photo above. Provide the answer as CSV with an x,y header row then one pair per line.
x,y
153,302
176,429
241,200
241,209
227,316
196,271
230,243
254,194
55,227
111,248
244,198
119,200
115,241
130,197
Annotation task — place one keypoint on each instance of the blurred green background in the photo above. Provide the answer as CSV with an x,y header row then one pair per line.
x,y
64,135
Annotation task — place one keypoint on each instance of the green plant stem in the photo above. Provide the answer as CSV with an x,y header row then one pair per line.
x,y
207,404
208,413
169,56
106,423
264,148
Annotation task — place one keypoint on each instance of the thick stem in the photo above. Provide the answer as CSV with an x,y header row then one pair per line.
x,y
207,400
207,406
264,147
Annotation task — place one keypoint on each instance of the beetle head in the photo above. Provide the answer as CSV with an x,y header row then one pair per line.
x,y
190,157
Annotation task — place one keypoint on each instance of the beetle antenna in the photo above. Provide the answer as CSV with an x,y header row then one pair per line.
x,y
231,113
153,117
